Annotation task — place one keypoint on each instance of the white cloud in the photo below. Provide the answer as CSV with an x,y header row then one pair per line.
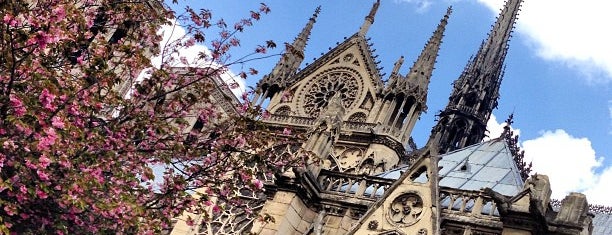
x,y
422,5
570,32
568,161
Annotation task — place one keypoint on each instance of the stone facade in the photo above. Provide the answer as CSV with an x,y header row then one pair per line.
x,y
372,179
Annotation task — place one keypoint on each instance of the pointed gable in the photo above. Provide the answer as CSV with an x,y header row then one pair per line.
x,y
347,70
409,206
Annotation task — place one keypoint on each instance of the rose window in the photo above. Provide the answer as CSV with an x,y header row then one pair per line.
x,y
406,209
340,83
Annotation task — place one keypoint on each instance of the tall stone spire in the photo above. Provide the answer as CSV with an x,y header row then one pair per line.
x,y
406,96
476,91
423,67
288,64
369,19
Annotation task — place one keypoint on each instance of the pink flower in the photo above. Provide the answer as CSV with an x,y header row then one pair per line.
x,y
41,194
57,122
190,42
42,175
17,105
44,161
59,12
258,184
216,209
46,99
7,18
286,131
45,142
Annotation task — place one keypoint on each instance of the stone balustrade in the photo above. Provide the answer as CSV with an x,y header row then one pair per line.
x,y
467,202
286,119
356,186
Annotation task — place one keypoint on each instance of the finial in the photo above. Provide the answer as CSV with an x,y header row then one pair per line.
x,y
508,127
397,65
369,19
373,11
316,13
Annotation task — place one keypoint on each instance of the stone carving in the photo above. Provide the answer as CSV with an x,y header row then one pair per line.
x,y
357,117
422,231
325,86
373,225
348,57
350,157
406,209
284,110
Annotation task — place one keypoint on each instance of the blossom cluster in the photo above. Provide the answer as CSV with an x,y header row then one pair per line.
x,y
81,135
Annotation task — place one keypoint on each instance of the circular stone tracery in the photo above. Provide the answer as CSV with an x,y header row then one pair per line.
x,y
406,209
325,86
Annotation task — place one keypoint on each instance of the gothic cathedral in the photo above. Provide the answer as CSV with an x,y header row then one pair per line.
x,y
372,178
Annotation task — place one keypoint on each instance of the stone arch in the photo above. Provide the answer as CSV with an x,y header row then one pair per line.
x,y
457,130
283,110
357,117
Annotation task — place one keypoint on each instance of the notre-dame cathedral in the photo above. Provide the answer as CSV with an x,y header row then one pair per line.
x,y
372,178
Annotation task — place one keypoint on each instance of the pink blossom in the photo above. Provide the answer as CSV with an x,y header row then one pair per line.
x,y
57,122
216,209
46,99
190,42
258,184
44,161
184,60
9,20
42,175
59,12
286,131
45,142
17,105
10,209
41,194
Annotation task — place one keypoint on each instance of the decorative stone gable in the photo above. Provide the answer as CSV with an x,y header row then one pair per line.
x,y
345,71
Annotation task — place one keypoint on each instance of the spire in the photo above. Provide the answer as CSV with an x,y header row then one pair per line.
x,y
288,64
476,91
299,44
424,65
369,20
496,46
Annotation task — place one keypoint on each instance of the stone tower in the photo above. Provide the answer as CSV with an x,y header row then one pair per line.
x,y
475,93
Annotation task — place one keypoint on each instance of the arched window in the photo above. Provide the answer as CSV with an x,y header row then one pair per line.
x,y
357,117
284,110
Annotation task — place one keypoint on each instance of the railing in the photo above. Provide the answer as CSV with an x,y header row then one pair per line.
x,y
356,186
358,126
468,202
305,121
468,110
347,125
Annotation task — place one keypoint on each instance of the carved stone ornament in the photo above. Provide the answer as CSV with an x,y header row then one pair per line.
x,y
336,82
373,225
406,209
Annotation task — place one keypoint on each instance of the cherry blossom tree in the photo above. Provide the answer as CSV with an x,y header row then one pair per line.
x,y
81,130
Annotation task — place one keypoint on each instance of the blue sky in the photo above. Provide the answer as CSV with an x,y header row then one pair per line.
x,y
558,78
